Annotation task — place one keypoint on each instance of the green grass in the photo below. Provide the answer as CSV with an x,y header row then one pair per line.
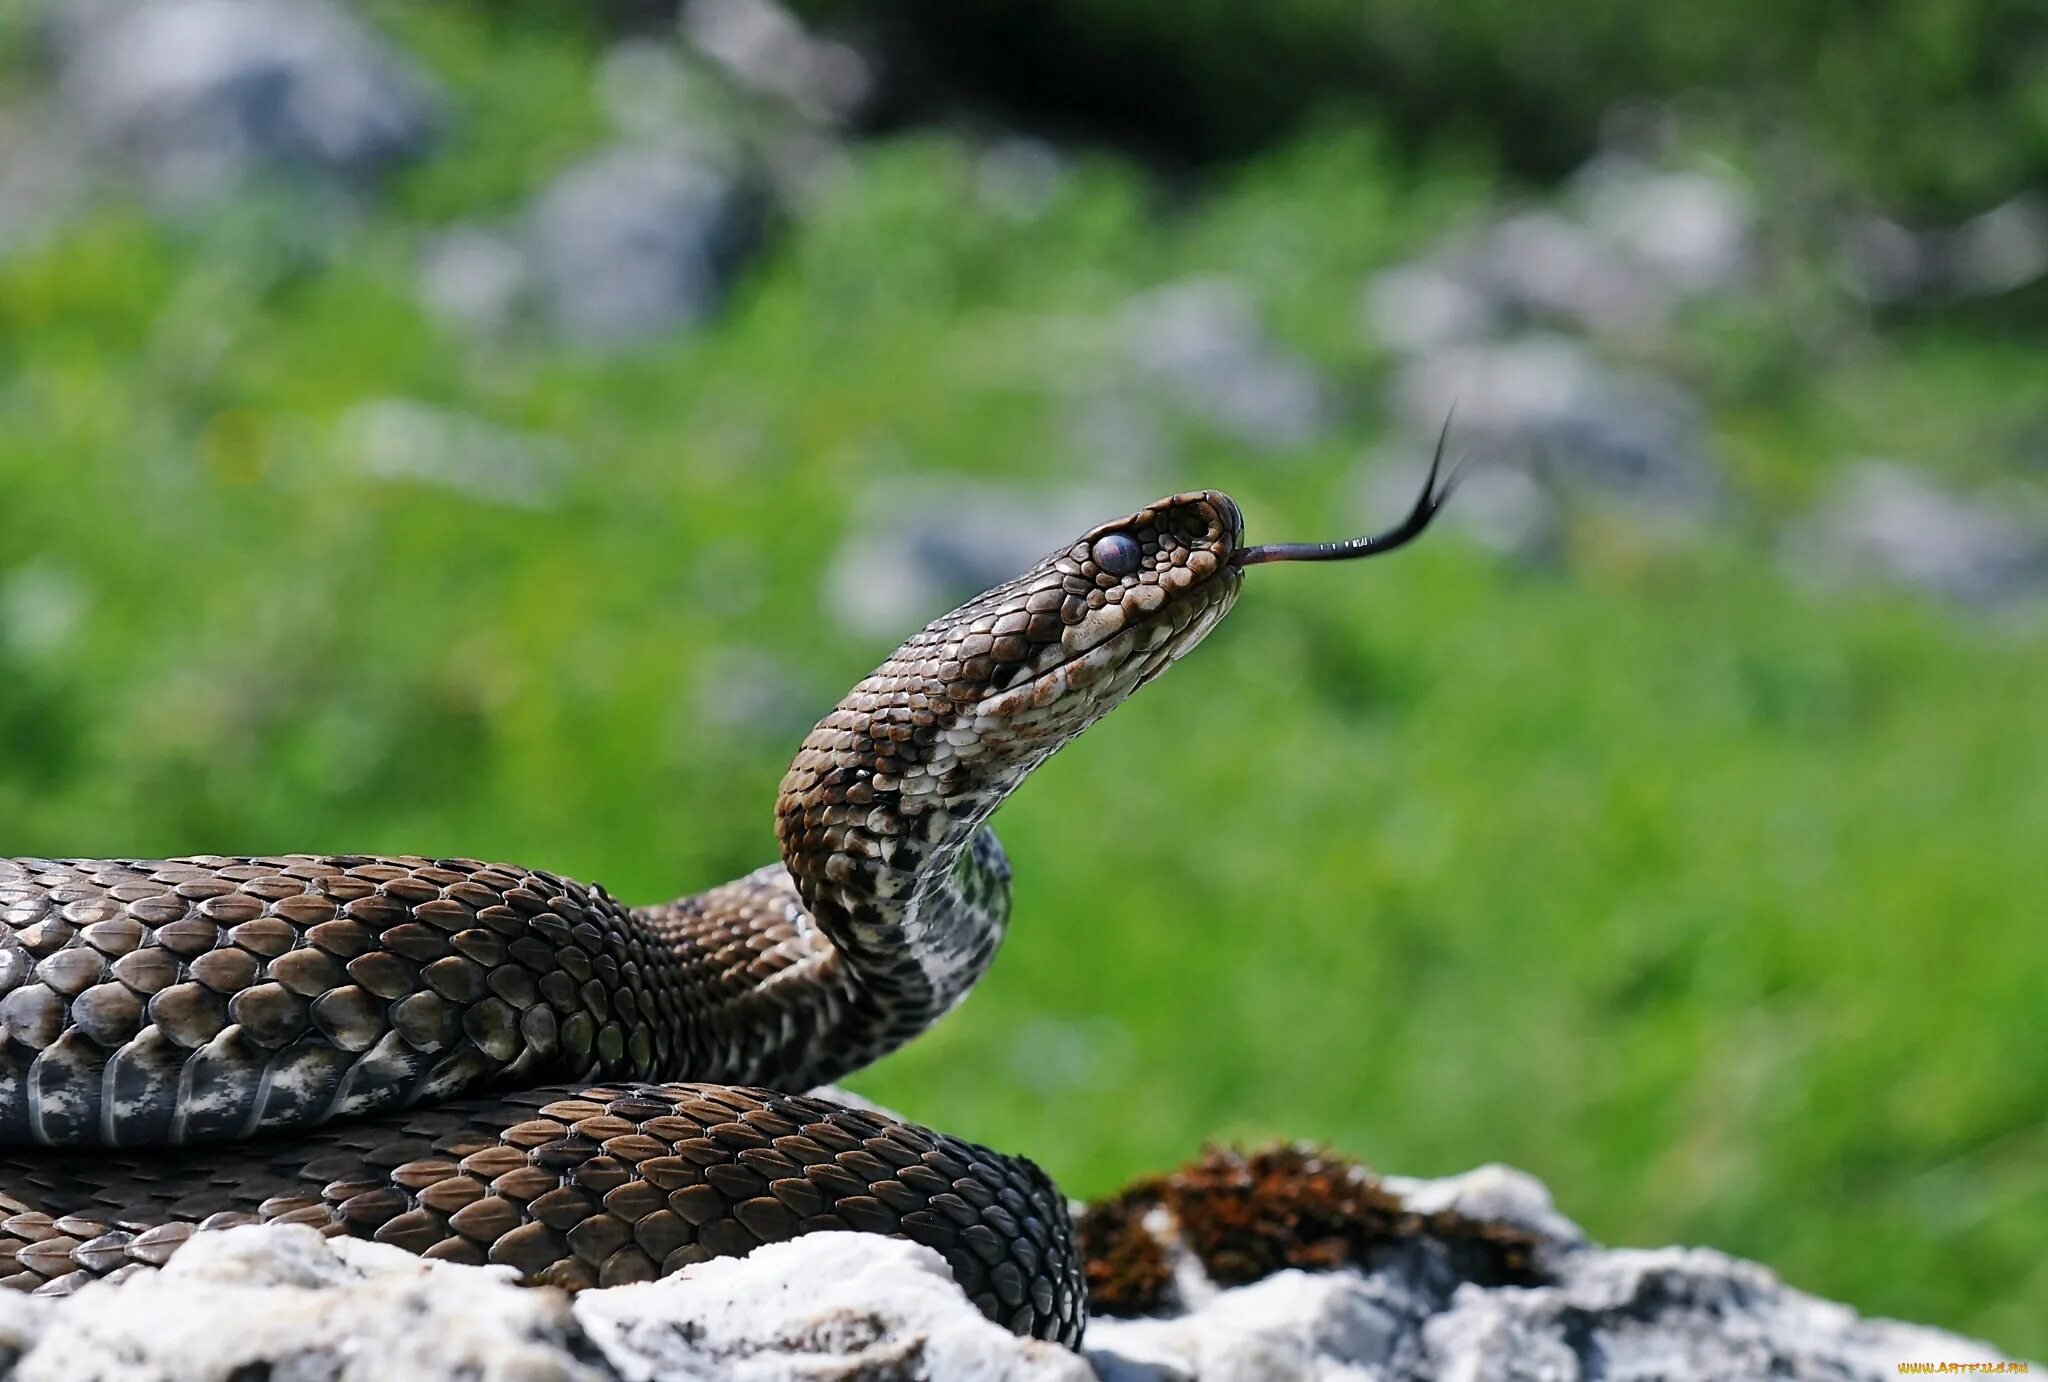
x,y
1714,903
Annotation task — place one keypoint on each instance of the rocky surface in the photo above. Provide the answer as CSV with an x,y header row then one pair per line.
x,y
282,1303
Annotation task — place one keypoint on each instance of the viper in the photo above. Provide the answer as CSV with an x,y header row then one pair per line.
x,y
478,1062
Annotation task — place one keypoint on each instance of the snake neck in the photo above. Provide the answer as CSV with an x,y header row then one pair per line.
x,y
914,899
881,816
881,821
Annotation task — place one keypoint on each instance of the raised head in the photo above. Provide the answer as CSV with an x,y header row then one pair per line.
x,y
879,807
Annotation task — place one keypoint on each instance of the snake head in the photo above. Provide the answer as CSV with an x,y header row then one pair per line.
x,y
1090,623
976,698
908,765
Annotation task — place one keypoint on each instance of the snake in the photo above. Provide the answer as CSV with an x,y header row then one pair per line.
x,y
490,1064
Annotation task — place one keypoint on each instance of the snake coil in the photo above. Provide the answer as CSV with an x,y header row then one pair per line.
x,y
465,1059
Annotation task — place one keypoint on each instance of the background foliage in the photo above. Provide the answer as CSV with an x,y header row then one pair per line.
x,y
1712,899
1939,105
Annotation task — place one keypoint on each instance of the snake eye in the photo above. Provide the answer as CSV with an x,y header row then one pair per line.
x,y
1117,554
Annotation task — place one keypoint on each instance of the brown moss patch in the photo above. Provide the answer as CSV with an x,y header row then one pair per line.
x,y
1247,1215
1125,1266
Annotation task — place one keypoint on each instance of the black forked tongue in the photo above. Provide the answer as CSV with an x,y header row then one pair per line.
x,y
1428,505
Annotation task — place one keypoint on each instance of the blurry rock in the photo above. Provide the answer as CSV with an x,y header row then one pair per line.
x,y
403,439
2003,249
1694,229
2000,251
1889,520
1545,267
643,86
1645,241
1545,405
199,92
636,242
1496,1193
765,49
475,276
1201,341
919,554
1883,262
1414,307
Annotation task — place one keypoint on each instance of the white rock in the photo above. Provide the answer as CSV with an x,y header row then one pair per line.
x,y
831,1305
288,1305
1292,1327
1494,1192
1622,1316
285,1303
1632,1315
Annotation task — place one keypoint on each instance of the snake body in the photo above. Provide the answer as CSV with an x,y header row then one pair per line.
x,y
464,1059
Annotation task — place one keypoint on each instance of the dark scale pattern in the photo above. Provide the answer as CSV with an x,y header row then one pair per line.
x,y
208,999
574,1187
249,1001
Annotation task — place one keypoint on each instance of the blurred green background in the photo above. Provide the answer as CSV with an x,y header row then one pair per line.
x,y
1672,828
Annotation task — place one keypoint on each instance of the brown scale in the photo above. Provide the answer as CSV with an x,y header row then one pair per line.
x,y
572,1187
304,1013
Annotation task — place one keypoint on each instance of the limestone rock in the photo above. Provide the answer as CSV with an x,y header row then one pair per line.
x,y
833,1305
285,1304
282,1302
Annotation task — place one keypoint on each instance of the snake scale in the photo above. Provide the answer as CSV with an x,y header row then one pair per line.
x,y
463,1059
